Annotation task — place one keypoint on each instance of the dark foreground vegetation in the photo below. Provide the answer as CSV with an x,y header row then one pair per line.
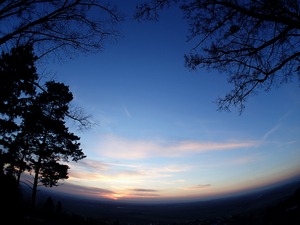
x,y
277,206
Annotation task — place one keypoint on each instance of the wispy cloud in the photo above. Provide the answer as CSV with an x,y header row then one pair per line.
x,y
142,193
122,148
84,190
232,162
244,160
91,165
127,113
279,124
199,186
270,132
143,190
92,172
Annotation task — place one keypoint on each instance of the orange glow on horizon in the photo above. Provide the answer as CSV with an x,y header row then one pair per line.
x,y
122,191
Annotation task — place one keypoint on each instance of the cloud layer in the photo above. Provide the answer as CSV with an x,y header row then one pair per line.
x,y
121,148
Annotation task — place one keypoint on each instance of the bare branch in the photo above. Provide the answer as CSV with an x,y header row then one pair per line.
x,y
255,43
81,25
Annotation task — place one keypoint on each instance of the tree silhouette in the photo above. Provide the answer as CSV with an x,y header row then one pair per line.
x,y
34,136
255,42
55,25
49,208
58,209
17,86
50,142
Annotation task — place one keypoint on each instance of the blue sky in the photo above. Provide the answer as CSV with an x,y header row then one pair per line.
x,y
160,136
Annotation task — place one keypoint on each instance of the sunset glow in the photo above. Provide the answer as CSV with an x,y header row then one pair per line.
x,y
160,136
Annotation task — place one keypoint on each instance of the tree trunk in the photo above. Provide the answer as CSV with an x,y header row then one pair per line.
x,y
34,188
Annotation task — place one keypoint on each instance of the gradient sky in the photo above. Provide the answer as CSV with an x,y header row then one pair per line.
x,y
160,136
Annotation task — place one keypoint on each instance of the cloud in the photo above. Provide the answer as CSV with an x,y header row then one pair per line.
x,y
143,193
143,190
270,132
84,191
128,114
202,186
122,148
281,121
91,164
233,162
112,174
92,171
199,186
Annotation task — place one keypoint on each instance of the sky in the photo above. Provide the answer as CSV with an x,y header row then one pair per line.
x,y
159,135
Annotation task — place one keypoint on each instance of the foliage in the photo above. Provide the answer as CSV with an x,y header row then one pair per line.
x,y
17,78
45,129
37,139
255,42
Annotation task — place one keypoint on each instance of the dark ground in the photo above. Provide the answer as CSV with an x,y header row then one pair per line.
x,y
276,206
